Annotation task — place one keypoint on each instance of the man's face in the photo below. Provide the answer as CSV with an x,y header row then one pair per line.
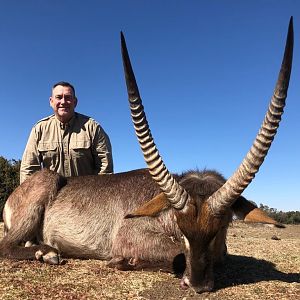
x,y
63,103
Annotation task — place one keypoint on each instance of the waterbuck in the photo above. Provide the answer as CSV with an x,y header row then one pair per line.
x,y
141,219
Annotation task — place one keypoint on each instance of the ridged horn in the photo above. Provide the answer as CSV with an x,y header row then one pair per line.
x,y
176,195
237,183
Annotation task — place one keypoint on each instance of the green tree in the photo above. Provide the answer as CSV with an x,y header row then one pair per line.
x,y
9,179
290,217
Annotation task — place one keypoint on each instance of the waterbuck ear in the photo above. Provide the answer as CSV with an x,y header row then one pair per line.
x,y
151,208
249,212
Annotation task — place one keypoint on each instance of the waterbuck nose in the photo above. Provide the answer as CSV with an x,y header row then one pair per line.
x,y
184,283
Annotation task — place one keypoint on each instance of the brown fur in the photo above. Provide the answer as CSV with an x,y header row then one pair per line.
x,y
83,217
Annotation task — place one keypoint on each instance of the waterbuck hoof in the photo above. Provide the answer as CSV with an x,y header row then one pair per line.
x,y
51,257
116,262
123,264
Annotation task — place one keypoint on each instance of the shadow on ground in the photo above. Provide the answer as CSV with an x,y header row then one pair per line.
x,y
236,270
245,270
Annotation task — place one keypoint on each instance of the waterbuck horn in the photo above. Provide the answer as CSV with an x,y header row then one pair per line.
x,y
176,195
236,184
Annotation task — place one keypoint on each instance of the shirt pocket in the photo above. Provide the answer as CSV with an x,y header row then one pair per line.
x,y
80,149
48,152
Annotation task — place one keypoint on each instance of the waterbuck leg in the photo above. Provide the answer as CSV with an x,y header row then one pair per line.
x,y
174,265
24,214
42,253
24,230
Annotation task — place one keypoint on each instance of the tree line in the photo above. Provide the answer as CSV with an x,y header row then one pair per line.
x,y
10,174
9,179
290,217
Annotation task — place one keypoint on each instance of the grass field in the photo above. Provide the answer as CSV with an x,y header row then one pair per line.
x,y
263,263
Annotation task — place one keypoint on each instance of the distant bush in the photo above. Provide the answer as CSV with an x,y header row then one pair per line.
x,y
290,217
9,179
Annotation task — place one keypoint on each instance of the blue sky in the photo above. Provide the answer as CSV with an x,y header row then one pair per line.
x,y
205,69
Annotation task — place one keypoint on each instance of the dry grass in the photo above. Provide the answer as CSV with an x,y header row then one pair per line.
x,y
258,267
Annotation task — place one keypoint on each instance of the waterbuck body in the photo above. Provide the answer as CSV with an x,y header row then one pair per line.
x,y
141,219
83,217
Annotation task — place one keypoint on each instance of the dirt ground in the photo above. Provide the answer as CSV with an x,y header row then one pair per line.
x,y
263,263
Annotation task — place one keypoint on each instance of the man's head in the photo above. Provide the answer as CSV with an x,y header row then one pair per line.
x,y
63,101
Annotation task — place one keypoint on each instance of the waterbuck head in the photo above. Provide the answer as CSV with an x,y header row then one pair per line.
x,y
202,201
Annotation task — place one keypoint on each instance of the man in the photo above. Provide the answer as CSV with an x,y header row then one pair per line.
x,y
67,142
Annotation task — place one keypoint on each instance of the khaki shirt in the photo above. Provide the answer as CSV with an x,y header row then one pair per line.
x,y
80,147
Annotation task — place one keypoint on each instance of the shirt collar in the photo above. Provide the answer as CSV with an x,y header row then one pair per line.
x,y
67,125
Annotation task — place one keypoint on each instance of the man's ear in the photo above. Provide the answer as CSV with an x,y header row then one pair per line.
x,y
151,208
51,102
75,102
